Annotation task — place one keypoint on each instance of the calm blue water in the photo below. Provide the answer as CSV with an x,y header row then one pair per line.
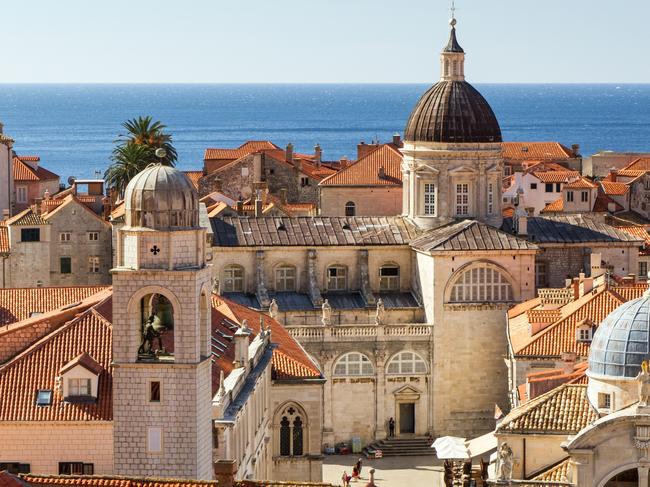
x,y
72,127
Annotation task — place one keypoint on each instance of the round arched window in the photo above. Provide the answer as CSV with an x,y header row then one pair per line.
x,y
407,363
350,208
354,363
481,284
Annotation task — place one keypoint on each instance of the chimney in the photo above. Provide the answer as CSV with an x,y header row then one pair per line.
x,y
318,155
575,150
530,211
595,262
224,472
2,127
289,153
568,362
381,173
37,205
364,149
257,167
259,204
397,140
241,344
283,195
522,225
240,207
576,287
613,174
343,162
5,214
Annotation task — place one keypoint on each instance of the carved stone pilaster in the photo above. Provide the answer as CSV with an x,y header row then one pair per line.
x,y
312,278
481,192
261,292
364,275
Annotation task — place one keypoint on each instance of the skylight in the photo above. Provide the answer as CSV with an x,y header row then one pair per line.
x,y
44,397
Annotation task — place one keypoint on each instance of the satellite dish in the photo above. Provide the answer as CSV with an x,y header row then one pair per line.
x,y
71,180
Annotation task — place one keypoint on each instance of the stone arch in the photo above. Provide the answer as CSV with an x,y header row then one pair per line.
x,y
486,264
290,430
347,364
607,477
400,359
134,311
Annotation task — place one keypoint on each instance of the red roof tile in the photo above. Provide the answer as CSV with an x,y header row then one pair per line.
x,y
556,176
25,172
614,189
366,171
535,151
581,183
110,481
194,177
4,238
637,231
641,164
603,202
243,150
556,206
26,217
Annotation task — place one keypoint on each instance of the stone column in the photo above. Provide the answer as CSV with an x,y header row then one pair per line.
x,y
446,193
380,393
481,192
327,359
261,292
312,278
364,278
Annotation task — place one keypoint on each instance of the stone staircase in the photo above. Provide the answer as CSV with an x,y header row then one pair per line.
x,y
395,447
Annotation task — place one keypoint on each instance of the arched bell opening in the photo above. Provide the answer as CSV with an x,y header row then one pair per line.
x,y
157,329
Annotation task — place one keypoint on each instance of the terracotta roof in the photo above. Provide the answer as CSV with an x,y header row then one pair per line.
x,y
535,150
194,177
26,218
581,183
640,164
469,235
558,472
556,176
84,360
37,368
244,149
17,304
366,171
303,162
603,203
110,481
4,238
556,206
614,189
563,410
521,308
560,337
637,231
70,200
25,172
508,212
312,231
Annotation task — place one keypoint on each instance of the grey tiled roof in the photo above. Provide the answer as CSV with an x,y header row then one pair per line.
x,y
311,231
574,229
469,235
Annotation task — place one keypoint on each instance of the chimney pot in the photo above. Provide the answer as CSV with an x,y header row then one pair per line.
x,y
258,207
240,206
318,154
382,172
283,196
289,153
613,174
397,140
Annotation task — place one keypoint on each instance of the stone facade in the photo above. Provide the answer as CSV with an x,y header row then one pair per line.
x,y
7,195
28,264
368,201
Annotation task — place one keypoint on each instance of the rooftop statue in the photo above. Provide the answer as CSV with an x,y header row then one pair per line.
x,y
644,384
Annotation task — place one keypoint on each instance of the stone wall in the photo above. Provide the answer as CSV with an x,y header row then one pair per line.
x,y
29,262
369,201
540,451
44,445
7,195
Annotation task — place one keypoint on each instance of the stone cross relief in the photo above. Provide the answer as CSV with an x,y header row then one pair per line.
x,y
154,250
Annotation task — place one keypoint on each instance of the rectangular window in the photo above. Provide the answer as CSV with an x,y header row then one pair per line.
x,y
233,279
389,278
66,265
584,334
584,196
462,199
533,185
44,397
15,467
337,278
154,440
285,278
604,401
558,187
490,195
30,234
304,181
548,187
76,468
154,391
569,196
429,199
65,236
93,236
540,274
93,264
643,269
78,387
21,194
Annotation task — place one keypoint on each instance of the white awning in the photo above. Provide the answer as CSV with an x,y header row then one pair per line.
x,y
483,444
451,448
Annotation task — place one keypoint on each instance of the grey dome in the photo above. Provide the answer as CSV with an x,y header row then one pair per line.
x,y
621,342
452,111
161,198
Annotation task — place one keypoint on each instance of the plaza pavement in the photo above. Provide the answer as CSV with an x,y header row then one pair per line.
x,y
389,472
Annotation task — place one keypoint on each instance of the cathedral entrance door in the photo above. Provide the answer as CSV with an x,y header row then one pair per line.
x,y
407,418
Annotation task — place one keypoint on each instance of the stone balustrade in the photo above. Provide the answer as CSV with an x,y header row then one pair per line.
x,y
354,332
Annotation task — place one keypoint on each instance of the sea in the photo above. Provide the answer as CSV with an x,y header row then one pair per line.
x,y
73,127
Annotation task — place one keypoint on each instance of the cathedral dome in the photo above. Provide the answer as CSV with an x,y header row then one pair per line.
x,y
161,198
622,341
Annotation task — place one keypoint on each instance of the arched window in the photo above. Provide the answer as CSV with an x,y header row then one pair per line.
x,y
337,278
481,284
354,363
407,363
156,329
233,279
389,277
285,278
285,437
291,426
350,208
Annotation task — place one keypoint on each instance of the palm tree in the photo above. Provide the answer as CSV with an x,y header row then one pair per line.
x,y
144,131
128,160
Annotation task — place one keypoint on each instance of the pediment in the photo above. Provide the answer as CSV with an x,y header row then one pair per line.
x,y
463,169
424,168
407,392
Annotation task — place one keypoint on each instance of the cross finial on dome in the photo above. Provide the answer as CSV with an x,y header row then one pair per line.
x,y
453,13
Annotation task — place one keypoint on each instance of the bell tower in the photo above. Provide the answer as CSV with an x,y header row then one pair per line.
x,y
161,329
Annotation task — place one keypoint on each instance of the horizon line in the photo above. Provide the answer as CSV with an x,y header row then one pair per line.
x,y
262,83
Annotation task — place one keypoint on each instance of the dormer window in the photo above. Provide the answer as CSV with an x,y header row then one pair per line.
x,y
80,379
79,387
584,331
44,397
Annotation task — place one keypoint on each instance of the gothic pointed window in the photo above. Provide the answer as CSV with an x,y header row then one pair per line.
x,y
297,436
285,437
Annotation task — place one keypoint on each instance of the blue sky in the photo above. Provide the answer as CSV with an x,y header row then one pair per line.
x,y
261,41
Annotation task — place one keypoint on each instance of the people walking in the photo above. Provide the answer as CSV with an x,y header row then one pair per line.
x,y
391,428
346,479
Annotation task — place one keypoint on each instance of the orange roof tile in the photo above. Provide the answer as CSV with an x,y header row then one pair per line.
x,y
556,206
4,238
535,151
86,361
508,212
17,304
614,189
24,172
559,472
110,481
194,177
628,173
37,368
603,203
243,150
641,164
366,171
70,200
637,231
26,218
556,176
563,410
581,183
